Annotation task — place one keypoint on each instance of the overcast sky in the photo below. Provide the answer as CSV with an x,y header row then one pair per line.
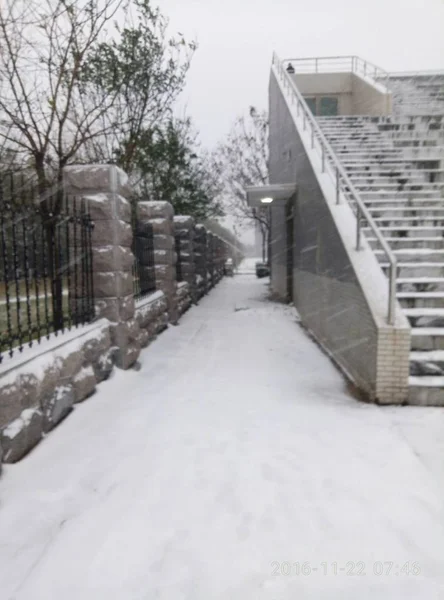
x,y
236,39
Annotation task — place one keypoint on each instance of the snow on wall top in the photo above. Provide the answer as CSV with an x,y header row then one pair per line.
x,y
37,360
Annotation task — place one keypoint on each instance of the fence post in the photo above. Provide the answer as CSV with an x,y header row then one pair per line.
x,y
210,260
184,231
105,189
200,259
160,215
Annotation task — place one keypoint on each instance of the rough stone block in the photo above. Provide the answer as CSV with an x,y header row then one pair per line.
x,y
163,242
146,314
84,384
112,258
95,179
143,338
165,257
111,284
56,406
104,365
124,332
21,435
188,270
184,235
116,309
94,348
162,226
107,206
113,232
49,379
18,395
154,210
164,273
183,222
128,356
71,365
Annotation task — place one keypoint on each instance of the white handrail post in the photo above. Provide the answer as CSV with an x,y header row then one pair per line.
x,y
337,186
323,157
358,228
312,136
316,65
392,293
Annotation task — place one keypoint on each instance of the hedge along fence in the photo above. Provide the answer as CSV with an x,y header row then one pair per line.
x,y
40,386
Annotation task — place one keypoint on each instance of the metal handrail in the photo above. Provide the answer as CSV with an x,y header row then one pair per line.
x,y
342,181
352,63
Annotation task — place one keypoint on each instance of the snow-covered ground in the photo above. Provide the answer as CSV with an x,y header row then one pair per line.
x,y
233,454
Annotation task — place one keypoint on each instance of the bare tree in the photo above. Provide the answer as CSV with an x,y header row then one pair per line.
x,y
242,161
46,114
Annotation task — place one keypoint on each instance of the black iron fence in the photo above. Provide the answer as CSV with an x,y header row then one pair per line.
x,y
144,275
46,276
179,276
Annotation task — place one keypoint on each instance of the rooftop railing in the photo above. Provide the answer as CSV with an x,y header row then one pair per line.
x,y
337,64
331,164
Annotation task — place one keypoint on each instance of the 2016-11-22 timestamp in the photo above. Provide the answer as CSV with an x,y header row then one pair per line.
x,y
350,568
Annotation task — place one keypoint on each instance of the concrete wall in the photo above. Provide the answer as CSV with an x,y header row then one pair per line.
x,y
368,100
356,96
335,303
332,84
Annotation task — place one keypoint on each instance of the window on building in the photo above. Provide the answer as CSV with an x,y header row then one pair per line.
x,y
311,103
328,106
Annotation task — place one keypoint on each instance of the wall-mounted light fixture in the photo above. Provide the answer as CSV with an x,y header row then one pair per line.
x,y
277,193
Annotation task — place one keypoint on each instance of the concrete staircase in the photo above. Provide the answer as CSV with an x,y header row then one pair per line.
x,y
397,164
417,94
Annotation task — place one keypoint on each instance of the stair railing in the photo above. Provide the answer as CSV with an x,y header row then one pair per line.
x,y
340,177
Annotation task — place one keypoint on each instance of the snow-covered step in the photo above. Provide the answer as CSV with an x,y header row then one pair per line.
x,y
421,299
414,254
399,243
400,200
416,269
394,180
396,212
361,146
404,186
408,232
426,390
403,222
425,317
411,208
427,338
435,357
360,163
388,194
417,284
416,143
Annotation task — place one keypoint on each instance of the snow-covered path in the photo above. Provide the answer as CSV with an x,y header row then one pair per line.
x,y
233,454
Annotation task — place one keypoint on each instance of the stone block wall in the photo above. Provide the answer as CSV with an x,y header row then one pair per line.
x,y
219,260
39,387
184,232
105,190
161,216
200,258
151,316
183,297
